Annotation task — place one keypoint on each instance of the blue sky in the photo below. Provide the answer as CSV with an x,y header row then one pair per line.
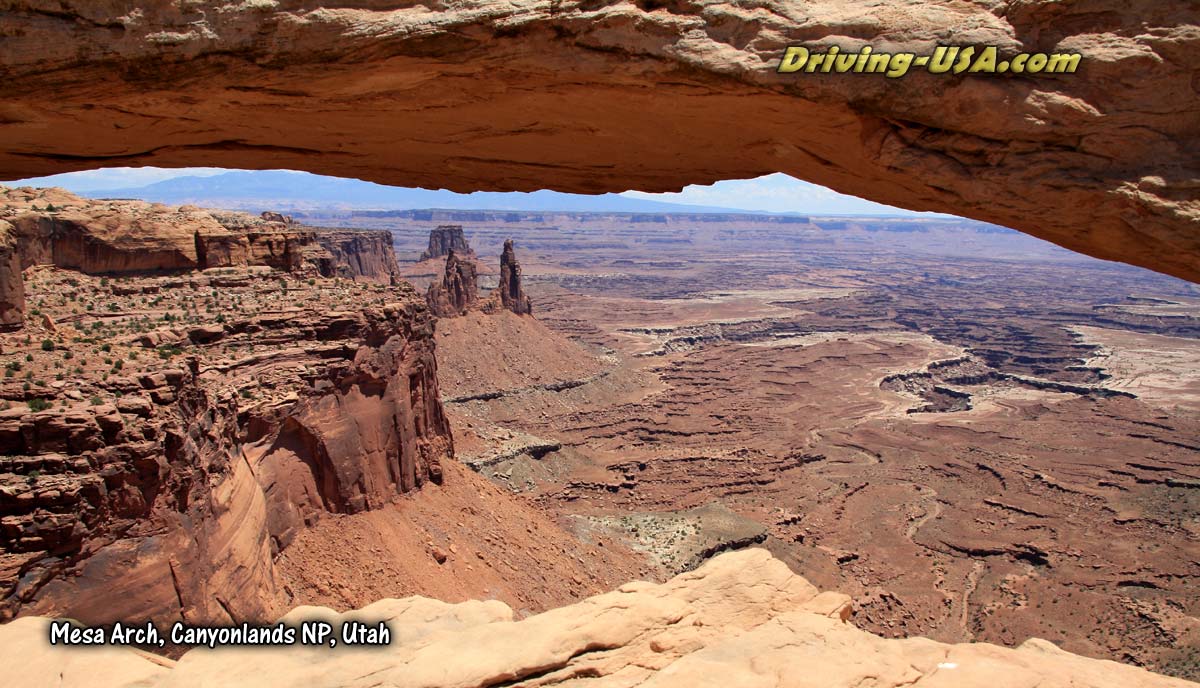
x,y
772,193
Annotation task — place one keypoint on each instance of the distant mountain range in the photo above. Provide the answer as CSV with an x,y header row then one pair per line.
x,y
299,191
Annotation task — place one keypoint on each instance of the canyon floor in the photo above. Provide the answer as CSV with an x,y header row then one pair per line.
x,y
974,434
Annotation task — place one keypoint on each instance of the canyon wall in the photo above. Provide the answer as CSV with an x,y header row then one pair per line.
x,y
608,96
180,494
54,227
446,238
12,289
359,254
178,450
458,290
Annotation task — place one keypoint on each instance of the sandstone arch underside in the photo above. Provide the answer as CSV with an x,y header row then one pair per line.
x,y
599,96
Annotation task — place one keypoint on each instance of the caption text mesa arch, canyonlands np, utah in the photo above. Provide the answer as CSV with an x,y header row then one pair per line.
x,y
810,343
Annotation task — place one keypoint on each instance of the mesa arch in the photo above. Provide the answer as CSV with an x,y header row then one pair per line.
x,y
595,95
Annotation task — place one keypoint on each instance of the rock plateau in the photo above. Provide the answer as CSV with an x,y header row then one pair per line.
x,y
445,239
180,419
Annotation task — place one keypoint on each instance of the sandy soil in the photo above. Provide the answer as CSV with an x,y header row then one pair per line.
x,y
493,545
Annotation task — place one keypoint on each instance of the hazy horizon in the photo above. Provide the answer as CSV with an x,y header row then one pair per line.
x,y
774,193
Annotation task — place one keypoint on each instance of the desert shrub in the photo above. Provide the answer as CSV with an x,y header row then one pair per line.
x,y
165,352
38,404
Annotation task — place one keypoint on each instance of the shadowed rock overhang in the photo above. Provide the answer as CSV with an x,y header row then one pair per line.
x,y
600,96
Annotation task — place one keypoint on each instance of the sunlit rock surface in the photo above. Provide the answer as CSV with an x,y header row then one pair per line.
x,y
608,96
743,619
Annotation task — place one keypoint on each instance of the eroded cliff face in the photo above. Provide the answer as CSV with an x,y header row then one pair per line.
x,y
509,294
144,509
12,288
180,494
458,290
361,254
54,227
445,239
609,96
156,456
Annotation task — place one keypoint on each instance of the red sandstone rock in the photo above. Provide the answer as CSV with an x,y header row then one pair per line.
x,y
595,97
509,294
457,292
269,216
173,502
446,238
53,227
743,619
12,288
360,255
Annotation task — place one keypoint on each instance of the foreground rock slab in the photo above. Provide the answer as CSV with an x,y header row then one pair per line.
x,y
743,619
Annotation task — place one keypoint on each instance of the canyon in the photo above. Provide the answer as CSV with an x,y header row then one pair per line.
x,y
190,395
945,420
981,446
962,434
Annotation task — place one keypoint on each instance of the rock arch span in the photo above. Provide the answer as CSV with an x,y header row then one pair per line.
x,y
595,95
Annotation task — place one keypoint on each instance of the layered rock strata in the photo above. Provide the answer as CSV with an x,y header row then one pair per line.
x,y
743,619
457,292
164,437
360,255
12,288
53,227
444,239
608,96
509,294
182,490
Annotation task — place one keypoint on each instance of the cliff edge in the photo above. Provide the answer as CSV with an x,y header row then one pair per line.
x,y
743,619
